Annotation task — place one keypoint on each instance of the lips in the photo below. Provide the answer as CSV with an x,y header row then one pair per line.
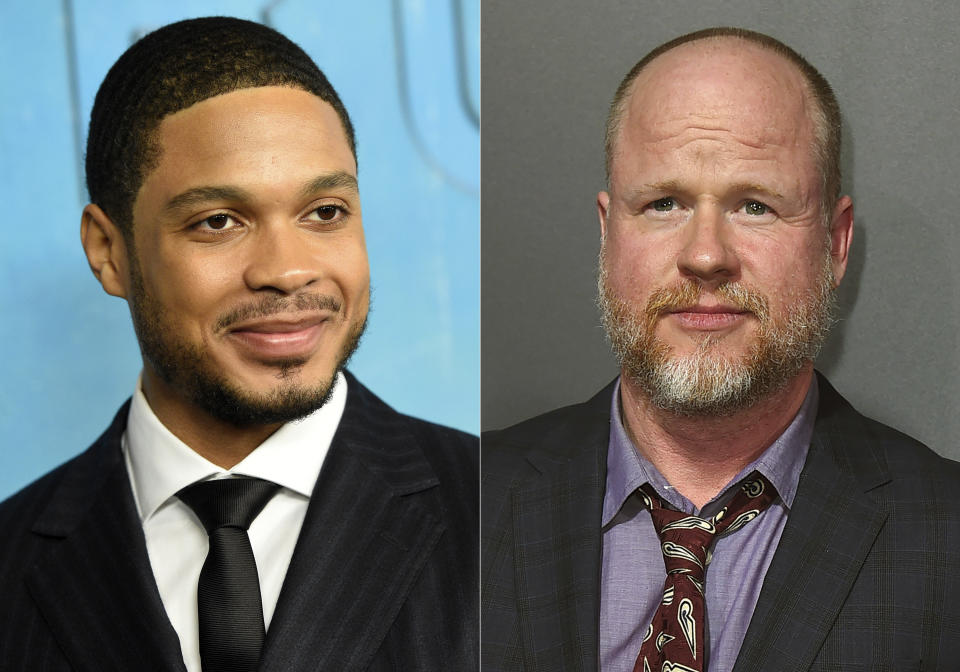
x,y
709,318
277,337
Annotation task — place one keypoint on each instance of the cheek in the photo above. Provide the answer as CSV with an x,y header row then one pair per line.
x,y
207,274
784,270
636,264
190,288
352,268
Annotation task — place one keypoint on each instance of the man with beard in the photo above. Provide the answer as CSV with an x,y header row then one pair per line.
x,y
253,506
719,506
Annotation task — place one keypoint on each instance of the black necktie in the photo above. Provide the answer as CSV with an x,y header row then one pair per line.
x,y
228,593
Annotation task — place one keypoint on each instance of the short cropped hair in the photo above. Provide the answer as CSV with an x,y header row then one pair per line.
x,y
169,70
826,113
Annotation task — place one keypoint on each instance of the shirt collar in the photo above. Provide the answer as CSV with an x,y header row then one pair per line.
x,y
781,462
160,464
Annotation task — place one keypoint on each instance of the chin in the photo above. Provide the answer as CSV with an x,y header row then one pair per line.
x,y
730,348
287,395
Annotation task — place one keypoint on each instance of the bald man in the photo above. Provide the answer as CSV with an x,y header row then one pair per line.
x,y
719,506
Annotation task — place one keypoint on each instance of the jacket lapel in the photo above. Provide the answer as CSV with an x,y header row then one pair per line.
x,y
369,529
94,586
828,535
556,519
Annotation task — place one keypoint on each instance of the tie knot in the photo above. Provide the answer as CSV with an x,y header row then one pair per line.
x,y
228,502
685,539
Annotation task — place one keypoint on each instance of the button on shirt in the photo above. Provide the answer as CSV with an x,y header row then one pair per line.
x,y
159,465
632,567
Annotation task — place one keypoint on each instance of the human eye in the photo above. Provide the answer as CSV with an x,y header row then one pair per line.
x,y
663,204
217,223
756,208
327,213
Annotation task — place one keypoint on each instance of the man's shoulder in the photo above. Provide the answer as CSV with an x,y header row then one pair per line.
x,y
555,436
916,468
23,507
442,436
449,450
84,470
907,455
49,507
865,445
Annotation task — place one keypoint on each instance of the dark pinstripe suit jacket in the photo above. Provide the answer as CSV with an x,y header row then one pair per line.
x,y
384,576
864,578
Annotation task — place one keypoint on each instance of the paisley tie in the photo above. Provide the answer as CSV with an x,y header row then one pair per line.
x,y
674,640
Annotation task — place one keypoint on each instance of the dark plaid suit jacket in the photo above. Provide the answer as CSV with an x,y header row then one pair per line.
x,y
864,578
384,575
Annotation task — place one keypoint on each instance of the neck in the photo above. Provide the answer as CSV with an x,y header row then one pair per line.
x,y
220,442
700,455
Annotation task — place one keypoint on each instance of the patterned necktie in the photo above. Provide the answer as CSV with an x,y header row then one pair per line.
x,y
674,640
228,593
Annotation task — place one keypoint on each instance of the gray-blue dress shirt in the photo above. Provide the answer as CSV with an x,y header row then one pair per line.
x,y
632,567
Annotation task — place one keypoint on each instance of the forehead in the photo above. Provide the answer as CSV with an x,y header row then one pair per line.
x,y
251,119
723,84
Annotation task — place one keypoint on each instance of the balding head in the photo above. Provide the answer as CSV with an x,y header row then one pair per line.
x,y
773,82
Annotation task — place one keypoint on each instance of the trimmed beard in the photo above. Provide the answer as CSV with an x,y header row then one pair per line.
x,y
188,368
706,382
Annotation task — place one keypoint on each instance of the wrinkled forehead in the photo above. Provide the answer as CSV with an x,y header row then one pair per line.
x,y
720,84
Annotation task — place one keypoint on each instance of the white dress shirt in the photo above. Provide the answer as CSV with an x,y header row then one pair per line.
x,y
159,465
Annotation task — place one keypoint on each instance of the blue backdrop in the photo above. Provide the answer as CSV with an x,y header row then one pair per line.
x,y
407,70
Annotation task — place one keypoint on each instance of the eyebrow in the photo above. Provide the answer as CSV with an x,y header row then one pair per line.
x,y
672,186
198,195
336,180
741,187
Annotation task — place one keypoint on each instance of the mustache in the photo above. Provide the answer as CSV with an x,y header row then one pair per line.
x,y
686,294
276,305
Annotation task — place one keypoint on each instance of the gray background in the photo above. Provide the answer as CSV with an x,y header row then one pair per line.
x,y
548,72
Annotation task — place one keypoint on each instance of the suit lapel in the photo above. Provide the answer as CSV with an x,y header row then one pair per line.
x,y
828,535
556,518
368,531
94,586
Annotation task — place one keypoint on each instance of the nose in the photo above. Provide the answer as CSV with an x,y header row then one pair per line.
x,y
707,253
282,260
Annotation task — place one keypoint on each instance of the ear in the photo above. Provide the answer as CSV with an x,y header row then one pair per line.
x,y
603,211
841,236
106,250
